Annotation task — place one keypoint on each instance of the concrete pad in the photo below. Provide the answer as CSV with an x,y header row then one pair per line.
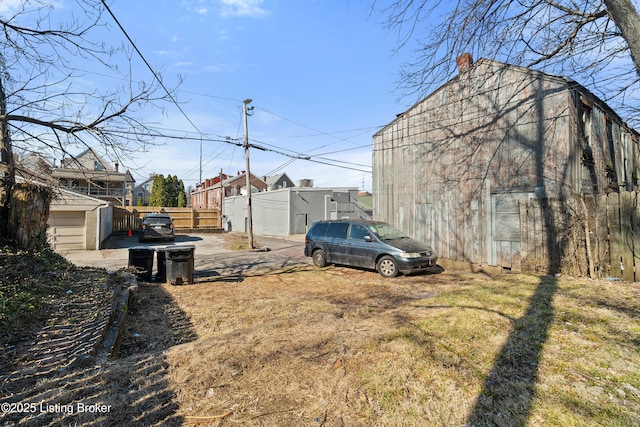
x,y
211,259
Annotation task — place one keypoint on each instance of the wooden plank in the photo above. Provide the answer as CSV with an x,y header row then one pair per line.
x,y
475,234
445,227
531,247
437,236
434,225
538,218
489,209
626,233
602,235
549,232
590,202
524,232
464,243
531,230
453,228
516,257
635,198
528,217
183,218
505,254
613,219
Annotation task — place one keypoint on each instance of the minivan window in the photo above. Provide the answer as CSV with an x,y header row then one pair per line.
x,y
338,230
387,232
320,229
358,232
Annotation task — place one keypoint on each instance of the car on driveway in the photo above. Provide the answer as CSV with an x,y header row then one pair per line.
x,y
156,226
367,244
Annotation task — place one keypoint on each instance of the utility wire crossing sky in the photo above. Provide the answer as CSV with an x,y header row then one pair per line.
x,y
321,75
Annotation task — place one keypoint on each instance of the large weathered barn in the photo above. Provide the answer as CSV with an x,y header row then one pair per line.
x,y
454,169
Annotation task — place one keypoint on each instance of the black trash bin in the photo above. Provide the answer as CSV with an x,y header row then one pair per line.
x,y
179,264
161,257
141,260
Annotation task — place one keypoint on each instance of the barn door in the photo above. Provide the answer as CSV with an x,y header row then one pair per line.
x,y
506,228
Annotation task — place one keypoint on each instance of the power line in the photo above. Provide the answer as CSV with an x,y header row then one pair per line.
x,y
278,150
173,100
155,75
310,128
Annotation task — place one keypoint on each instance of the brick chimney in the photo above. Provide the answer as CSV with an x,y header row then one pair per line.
x,y
464,61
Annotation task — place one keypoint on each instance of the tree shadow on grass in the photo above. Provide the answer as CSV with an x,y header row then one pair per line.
x,y
132,391
44,389
237,267
509,389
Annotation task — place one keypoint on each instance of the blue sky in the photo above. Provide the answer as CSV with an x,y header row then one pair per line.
x,y
321,74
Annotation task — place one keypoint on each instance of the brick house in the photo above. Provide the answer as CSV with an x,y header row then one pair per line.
x,y
209,193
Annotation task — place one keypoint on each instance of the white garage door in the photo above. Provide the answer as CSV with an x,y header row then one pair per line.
x,y
66,230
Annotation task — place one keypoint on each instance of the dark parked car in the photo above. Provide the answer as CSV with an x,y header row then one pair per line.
x,y
156,226
367,244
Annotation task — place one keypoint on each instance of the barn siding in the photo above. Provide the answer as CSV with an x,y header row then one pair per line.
x,y
493,130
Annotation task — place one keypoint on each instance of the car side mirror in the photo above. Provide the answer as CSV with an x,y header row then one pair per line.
x,y
368,238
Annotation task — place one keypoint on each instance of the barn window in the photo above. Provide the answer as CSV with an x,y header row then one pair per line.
x,y
589,180
612,177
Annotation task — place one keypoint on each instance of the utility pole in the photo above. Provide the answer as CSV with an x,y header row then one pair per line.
x,y
221,197
200,181
247,172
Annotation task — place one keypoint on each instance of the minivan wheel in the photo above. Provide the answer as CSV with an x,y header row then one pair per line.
x,y
387,266
319,258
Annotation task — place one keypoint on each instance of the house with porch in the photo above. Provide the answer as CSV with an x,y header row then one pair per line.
x,y
89,174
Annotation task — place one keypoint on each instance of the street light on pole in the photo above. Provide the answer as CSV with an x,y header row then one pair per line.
x,y
247,172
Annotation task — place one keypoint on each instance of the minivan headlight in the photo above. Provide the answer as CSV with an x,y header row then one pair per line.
x,y
410,255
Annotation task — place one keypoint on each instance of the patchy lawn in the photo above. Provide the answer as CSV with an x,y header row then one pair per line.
x,y
339,346
310,347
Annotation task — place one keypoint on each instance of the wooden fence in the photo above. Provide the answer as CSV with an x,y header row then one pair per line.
x,y
553,235
183,218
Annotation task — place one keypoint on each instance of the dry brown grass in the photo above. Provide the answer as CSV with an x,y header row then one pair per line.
x,y
317,347
309,347
238,241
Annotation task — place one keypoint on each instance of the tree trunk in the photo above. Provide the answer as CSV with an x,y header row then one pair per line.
x,y
29,214
626,18
7,173
587,235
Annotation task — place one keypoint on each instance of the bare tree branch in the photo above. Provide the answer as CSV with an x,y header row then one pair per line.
x,y
592,41
53,104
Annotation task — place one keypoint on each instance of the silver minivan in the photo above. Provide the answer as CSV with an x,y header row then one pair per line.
x,y
367,244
